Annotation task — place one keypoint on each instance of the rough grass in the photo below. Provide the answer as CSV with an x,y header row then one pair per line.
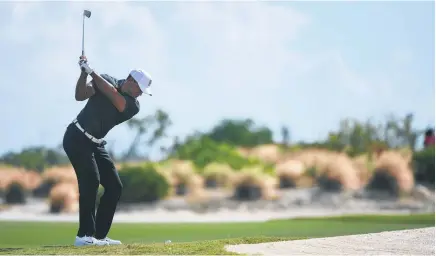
x,y
211,247
21,238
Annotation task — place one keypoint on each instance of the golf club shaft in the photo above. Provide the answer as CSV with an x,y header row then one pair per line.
x,y
83,36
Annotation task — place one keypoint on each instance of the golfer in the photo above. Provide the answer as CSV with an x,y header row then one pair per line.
x,y
110,102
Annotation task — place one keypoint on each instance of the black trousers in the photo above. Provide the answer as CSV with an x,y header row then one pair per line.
x,y
93,166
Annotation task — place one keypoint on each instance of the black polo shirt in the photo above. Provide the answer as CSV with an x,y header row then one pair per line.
x,y
99,115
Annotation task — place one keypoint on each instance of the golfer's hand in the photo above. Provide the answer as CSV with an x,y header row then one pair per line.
x,y
83,63
82,57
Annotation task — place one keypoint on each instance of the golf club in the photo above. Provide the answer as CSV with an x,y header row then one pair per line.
x,y
86,13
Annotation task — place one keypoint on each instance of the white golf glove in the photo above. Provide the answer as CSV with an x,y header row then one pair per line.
x,y
83,63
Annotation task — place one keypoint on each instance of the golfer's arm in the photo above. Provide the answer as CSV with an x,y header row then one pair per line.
x,y
107,89
83,91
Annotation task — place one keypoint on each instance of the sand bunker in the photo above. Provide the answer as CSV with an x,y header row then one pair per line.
x,y
405,242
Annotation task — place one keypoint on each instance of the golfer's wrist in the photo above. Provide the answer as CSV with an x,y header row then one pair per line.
x,y
87,70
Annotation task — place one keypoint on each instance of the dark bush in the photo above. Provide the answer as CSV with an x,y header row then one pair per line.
x,y
247,192
382,181
56,207
15,193
44,189
329,184
181,189
285,182
142,184
424,165
211,183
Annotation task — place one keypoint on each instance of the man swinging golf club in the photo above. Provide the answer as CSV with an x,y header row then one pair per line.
x,y
110,102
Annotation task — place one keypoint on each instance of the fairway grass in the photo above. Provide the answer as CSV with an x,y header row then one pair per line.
x,y
194,239
210,247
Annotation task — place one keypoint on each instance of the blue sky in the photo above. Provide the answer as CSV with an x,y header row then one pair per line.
x,y
303,64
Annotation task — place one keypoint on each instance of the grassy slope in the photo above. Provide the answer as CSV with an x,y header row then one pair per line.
x,y
56,238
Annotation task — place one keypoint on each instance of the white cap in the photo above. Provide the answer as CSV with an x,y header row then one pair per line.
x,y
143,79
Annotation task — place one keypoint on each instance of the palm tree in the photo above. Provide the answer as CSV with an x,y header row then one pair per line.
x,y
163,123
141,126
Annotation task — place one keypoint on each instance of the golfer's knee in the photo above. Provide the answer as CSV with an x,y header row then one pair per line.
x,y
90,185
93,187
94,183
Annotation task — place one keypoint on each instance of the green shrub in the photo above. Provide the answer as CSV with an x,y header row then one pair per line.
x,y
269,169
217,175
142,183
424,165
203,151
312,172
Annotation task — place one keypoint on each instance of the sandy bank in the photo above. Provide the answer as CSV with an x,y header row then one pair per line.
x,y
405,242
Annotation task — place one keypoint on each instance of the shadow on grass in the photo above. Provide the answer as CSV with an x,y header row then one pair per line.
x,y
55,246
2,250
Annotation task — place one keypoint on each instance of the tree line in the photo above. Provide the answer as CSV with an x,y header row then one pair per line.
x,y
351,136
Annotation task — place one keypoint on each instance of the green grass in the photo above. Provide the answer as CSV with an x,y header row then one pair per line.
x,y
56,238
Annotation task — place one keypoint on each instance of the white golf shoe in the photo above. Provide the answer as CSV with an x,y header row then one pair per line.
x,y
111,241
89,240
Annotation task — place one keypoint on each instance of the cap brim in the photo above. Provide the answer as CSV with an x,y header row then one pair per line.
x,y
148,91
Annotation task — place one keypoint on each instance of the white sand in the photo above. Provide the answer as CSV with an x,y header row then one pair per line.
x,y
405,242
159,215
294,203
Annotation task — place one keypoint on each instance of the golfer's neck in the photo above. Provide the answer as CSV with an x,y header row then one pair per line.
x,y
125,90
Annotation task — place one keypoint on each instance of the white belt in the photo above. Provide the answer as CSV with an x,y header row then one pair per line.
x,y
92,138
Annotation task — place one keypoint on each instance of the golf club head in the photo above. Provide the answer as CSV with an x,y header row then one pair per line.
x,y
87,13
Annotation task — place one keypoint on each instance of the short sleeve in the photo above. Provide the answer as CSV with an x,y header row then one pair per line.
x,y
108,78
132,107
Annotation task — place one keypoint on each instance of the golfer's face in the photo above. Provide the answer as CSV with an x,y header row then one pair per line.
x,y
133,86
135,89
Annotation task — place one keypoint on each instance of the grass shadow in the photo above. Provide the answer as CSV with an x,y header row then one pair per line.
x,y
3,250
55,246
